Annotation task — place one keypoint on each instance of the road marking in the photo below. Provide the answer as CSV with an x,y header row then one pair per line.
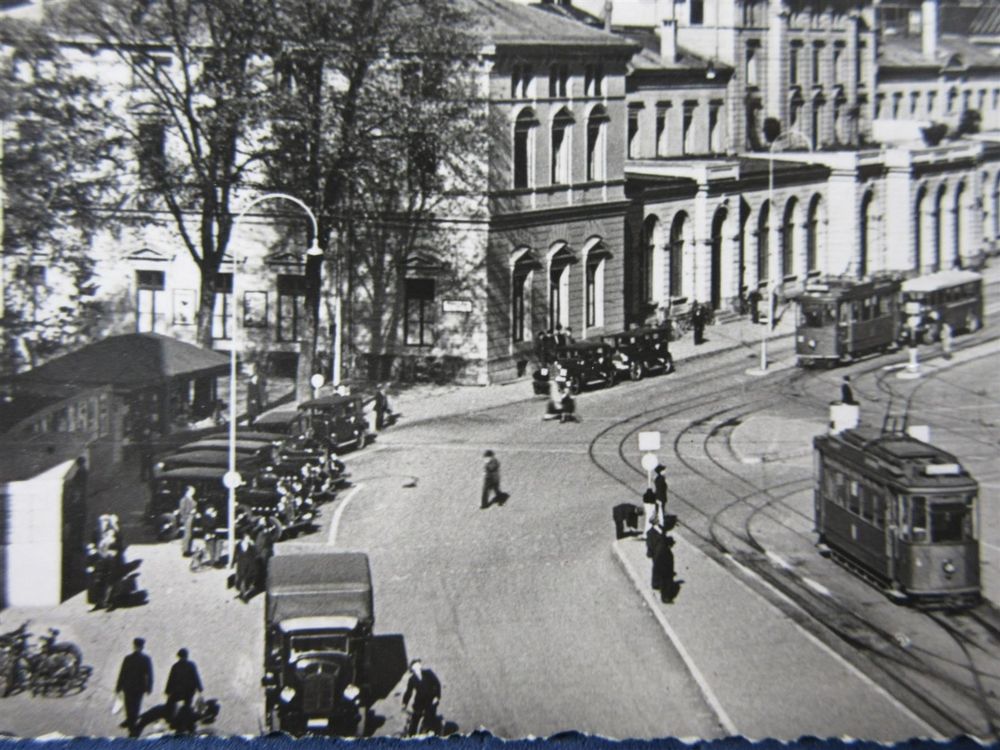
x,y
901,707
817,586
699,678
331,538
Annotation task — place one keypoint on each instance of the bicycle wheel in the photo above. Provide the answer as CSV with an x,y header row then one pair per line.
x,y
61,666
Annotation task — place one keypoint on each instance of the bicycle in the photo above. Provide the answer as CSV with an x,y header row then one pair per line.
x,y
50,666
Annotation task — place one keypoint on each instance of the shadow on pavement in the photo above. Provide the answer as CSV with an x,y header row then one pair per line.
x,y
388,664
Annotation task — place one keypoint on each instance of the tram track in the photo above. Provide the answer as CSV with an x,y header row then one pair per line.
x,y
910,674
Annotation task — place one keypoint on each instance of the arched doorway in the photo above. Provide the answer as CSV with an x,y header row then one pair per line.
x,y
788,230
715,282
935,260
680,237
813,233
919,217
763,243
864,248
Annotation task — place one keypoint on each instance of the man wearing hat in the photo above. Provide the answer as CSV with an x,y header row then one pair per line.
x,y
660,486
182,684
491,479
135,679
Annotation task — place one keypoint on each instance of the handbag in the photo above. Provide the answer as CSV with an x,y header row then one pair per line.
x,y
117,705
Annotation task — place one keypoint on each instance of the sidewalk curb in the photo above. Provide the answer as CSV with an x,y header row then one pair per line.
x,y
693,357
713,702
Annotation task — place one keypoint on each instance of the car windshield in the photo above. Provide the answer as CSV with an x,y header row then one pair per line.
x,y
319,642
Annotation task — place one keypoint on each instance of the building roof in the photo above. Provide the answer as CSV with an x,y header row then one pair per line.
x,y
648,58
953,51
504,22
128,362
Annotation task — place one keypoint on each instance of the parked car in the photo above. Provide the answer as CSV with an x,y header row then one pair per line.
x,y
337,421
640,352
246,463
580,364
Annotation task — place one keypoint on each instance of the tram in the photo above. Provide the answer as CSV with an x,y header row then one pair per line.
x,y
952,297
900,512
840,319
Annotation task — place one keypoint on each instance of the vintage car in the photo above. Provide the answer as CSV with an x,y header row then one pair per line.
x,y
580,364
319,617
245,463
244,434
244,446
640,352
336,421
169,487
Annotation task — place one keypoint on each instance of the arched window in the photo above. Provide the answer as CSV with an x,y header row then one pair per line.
x,y
523,265
597,128
938,229
763,242
559,266
788,238
650,230
715,286
562,134
919,217
812,233
864,248
678,232
524,149
596,255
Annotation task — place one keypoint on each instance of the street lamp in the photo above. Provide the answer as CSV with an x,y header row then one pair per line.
x,y
232,479
773,246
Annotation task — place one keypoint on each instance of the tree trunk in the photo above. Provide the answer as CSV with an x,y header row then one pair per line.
x,y
206,310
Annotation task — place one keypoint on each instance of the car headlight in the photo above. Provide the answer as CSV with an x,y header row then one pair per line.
x,y
812,343
351,692
286,694
949,568
160,466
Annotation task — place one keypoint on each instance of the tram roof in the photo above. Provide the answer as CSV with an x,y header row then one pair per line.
x,y
902,456
940,280
838,287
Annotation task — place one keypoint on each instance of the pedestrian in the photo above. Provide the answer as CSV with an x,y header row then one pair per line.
x,y
267,533
135,679
94,570
245,566
559,337
568,404
650,504
491,480
946,334
187,509
660,487
569,335
698,322
626,514
381,406
753,300
846,393
654,538
663,569
255,395
553,407
183,683
425,688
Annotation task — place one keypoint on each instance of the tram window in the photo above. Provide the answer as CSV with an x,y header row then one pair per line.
x,y
948,522
854,498
878,508
867,505
918,518
879,307
813,317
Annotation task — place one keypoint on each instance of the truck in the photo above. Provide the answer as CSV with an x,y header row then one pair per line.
x,y
318,629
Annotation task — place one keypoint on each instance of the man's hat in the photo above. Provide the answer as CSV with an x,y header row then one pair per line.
x,y
138,642
487,454
659,468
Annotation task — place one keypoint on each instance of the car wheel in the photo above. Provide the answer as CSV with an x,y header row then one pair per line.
x,y
972,323
668,365
635,370
574,386
609,379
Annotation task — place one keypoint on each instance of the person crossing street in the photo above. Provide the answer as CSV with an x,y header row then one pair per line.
x,y
135,679
491,480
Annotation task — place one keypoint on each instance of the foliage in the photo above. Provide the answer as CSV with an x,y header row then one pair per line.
x,y
193,107
935,133
377,126
60,165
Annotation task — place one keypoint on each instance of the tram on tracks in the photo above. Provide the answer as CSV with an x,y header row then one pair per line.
x,y
952,297
839,319
901,513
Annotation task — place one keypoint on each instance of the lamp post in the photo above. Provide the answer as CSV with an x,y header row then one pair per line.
x,y
772,286
232,479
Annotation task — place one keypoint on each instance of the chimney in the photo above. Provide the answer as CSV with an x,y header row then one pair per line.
x,y
929,28
668,40
608,8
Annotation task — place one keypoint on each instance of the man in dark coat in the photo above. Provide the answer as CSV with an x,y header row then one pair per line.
x,y
491,480
753,300
660,486
698,322
846,394
135,679
663,569
381,407
182,684
626,514
425,688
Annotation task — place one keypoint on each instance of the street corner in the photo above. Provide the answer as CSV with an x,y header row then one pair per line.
x,y
763,439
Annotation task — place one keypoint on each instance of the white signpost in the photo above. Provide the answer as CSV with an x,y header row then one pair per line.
x,y
316,381
649,442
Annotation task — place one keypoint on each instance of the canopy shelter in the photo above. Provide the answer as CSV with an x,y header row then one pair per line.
x,y
160,379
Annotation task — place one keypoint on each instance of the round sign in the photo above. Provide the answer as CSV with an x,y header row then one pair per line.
x,y
650,461
232,479
317,381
